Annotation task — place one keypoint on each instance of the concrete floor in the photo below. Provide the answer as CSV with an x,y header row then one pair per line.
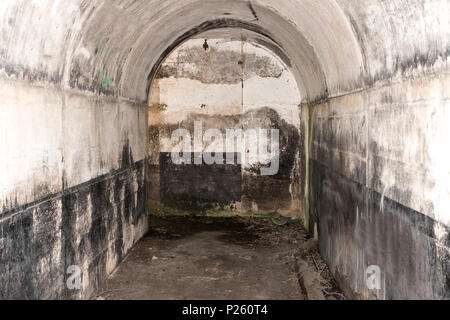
x,y
229,259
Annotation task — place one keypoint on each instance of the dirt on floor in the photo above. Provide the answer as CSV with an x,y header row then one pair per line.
x,y
192,258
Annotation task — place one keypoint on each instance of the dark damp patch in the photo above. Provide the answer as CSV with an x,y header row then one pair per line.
x,y
17,253
118,244
272,193
219,66
92,82
402,66
350,215
29,234
30,75
24,238
142,193
447,282
236,230
426,59
127,155
153,142
196,188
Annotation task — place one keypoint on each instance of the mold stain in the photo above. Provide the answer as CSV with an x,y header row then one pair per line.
x,y
226,72
91,219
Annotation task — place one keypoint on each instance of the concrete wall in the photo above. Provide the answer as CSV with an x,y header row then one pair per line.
x,y
380,173
380,187
72,189
225,84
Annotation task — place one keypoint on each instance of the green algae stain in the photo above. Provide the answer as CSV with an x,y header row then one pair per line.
x,y
106,81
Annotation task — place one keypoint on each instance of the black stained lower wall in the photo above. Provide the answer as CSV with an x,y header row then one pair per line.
x,y
198,188
92,226
358,228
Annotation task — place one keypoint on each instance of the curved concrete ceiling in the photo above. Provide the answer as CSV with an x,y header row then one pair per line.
x,y
334,46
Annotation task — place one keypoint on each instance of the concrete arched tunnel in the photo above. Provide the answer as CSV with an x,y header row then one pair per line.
x,y
92,90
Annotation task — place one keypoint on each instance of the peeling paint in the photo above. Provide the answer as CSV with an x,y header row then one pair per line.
x,y
206,86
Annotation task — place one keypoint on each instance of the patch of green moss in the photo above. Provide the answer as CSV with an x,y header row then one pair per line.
x,y
158,107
